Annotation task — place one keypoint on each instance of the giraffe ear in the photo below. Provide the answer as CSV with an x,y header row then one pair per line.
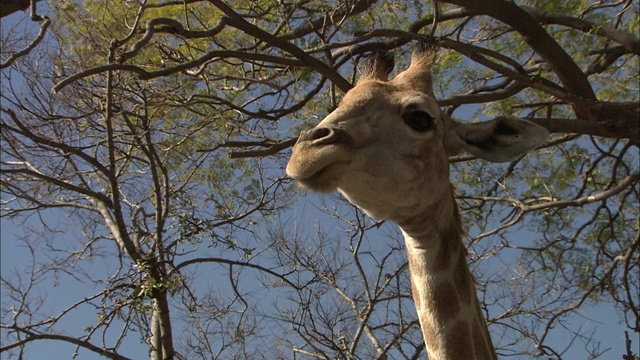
x,y
377,66
418,76
499,140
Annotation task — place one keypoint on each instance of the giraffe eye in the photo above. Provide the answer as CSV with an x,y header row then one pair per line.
x,y
420,121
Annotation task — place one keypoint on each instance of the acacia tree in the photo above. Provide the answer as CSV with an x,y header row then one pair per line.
x,y
160,130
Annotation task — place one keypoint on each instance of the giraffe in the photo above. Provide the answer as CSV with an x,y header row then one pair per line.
x,y
386,149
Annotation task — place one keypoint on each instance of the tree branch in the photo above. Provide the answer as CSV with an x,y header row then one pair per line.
x,y
329,18
620,129
271,148
43,29
60,183
240,23
233,262
540,41
8,7
26,131
33,336
626,39
146,75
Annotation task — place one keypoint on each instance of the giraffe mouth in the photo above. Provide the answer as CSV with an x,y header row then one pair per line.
x,y
319,159
324,180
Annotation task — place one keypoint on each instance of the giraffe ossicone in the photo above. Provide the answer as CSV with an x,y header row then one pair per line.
x,y
386,149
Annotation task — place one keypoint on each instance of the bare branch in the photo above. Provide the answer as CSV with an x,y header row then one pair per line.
x,y
246,264
271,148
45,23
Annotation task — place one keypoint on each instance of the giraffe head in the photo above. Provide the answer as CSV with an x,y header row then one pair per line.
x,y
386,146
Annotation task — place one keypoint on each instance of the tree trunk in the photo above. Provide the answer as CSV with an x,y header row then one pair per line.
x,y
161,347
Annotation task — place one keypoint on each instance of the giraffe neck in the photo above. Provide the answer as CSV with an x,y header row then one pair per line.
x,y
443,288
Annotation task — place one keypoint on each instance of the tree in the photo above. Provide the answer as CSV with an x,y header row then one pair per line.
x,y
143,146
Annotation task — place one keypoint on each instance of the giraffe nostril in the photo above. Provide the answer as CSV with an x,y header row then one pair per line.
x,y
320,136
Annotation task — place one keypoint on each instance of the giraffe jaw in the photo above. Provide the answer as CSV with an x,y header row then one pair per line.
x,y
318,168
325,180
